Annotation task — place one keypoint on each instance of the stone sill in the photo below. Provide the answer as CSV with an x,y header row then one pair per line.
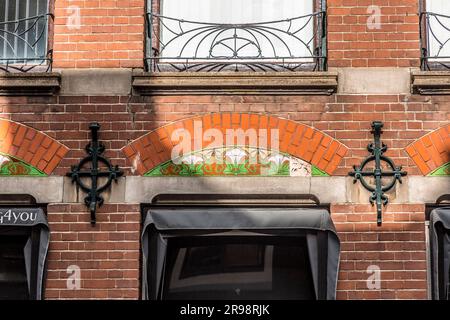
x,y
136,190
29,84
235,83
431,82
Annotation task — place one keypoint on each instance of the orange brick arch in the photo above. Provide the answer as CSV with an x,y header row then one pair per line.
x,y
30,146
432,150
296,139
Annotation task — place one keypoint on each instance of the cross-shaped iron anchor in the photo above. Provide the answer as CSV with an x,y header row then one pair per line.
x,y
377,148
94,150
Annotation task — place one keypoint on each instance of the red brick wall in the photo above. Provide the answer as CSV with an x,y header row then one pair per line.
x,y
107,254
30,145
346,118
432,150
352,43
111,34
397,248
294,138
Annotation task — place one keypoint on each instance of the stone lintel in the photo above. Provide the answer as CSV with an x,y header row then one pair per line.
x,y
235,83
29,84
431,82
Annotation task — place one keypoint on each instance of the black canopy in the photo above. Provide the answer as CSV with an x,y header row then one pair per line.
x,y
323,242
440,250
36,248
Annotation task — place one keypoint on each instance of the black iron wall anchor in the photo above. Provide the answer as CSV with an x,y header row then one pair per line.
x,y
377,148
94,150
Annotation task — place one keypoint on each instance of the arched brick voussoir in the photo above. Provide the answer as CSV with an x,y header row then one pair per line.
x,y
432,150
30,146
296,139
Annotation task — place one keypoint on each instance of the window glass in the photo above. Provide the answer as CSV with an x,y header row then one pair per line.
x,y
238,268
280,30
438,29
235,11
23,29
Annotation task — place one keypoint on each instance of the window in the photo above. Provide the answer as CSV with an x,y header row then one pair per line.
x,y
236,35
239,253
24,240
24,35
238,268
435,34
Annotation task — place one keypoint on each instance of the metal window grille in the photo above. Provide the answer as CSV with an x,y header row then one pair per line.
x,y
24,28
434,35
175,43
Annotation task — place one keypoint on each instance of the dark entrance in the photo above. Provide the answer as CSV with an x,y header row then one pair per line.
x,y
242,252
238,267
13,275
24,239
439,215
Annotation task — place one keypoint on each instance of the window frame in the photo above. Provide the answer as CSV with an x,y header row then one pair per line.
x,y
320,44
36,64
433,77
424,35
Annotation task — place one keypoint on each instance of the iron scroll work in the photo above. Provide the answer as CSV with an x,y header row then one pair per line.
x,y
94,150
181,45
25,44
377,148
434,41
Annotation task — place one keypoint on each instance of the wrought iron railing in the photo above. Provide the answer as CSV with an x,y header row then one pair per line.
x,y
24,44
435,41
293,44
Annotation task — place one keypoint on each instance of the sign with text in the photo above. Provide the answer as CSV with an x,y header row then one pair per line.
x,y
20,216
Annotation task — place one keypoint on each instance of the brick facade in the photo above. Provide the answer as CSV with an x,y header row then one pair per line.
x,y
110,34
124,119
355,43
398,248
431,151
108,255
331,132
31,146
297,139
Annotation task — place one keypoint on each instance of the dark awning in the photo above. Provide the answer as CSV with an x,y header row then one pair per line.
x,y
323,242
36,249
440,250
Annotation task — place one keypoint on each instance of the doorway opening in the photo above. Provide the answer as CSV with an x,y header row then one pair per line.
x,y
239,247
24,240
438,217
